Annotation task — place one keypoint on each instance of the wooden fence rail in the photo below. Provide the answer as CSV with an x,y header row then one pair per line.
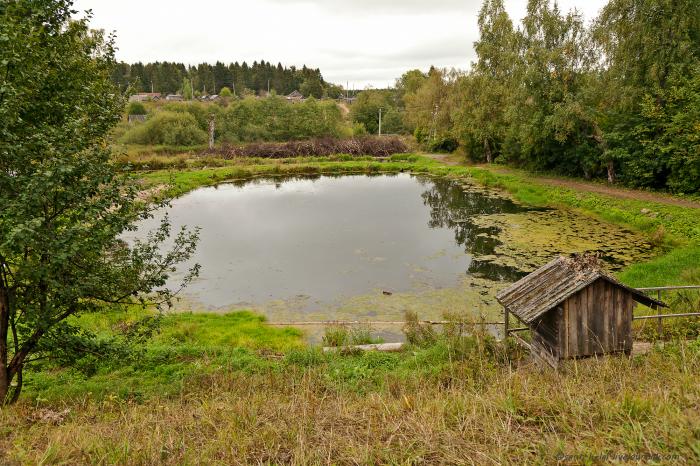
x,y
507,329
659,316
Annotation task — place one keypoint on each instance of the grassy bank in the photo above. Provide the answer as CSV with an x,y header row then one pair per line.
x,y
229,390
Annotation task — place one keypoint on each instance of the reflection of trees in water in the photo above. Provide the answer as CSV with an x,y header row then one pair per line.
x,y
279,180
452,207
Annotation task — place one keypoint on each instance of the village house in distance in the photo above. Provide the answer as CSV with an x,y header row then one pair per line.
x,y
295,96
145,97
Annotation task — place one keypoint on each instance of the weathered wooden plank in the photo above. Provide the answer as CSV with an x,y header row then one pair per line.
x,y
586,302
597,298
594,295
581,329
610,320
557,323
597,328
388,347
617,319
565,331
543,353
603,329
629,342
573,326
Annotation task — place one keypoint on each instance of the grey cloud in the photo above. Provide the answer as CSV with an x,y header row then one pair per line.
x,y
389,6
456,49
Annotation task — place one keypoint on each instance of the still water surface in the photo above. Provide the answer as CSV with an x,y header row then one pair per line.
x,y
316,243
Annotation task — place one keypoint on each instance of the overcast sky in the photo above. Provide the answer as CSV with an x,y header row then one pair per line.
x,y
363,42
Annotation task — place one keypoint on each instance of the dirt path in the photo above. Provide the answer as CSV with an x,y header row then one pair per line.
x,y
447,159
584,186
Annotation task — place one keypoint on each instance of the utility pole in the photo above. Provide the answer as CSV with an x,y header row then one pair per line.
x,y
152,91
212,127
435,113
268,88
380,121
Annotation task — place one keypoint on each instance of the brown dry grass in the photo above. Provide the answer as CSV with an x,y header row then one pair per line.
x,y
472,413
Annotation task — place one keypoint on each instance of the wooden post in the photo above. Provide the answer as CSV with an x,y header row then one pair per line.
x,y
506,323
660,325
211,132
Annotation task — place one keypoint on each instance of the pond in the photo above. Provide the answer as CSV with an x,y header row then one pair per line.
x,y
370,247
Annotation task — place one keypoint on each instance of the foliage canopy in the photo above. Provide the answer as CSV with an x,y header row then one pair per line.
x,y
64,205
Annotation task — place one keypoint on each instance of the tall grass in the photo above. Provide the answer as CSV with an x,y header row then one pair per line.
x,y
436,404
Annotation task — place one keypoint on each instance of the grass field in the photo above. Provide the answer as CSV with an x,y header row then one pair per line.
x,y
228,389
195,399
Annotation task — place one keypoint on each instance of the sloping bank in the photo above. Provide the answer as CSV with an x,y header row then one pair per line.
x,y
675,229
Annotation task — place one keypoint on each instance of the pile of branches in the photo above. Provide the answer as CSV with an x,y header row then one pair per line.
x,y
371,146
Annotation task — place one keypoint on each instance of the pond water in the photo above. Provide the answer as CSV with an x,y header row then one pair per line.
x,y
370,247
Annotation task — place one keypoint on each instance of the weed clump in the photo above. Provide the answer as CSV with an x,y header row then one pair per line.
x,y
416,332
343,335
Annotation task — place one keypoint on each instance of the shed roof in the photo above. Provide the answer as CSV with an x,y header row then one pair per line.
x,y
552,284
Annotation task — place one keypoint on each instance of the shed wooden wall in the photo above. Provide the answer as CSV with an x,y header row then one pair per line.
x,y
596,320
546,336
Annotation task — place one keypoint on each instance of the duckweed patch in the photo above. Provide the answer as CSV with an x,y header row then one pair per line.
x,y
529,240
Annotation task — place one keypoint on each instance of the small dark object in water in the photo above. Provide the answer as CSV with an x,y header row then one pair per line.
x,y
387,293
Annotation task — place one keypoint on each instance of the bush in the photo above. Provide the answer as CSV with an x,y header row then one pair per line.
x,y
273,119
443,144
336,335
372,146
358,129
136,108
170,128
418,333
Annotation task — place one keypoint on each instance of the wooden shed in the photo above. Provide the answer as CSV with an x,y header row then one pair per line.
x,y
574,309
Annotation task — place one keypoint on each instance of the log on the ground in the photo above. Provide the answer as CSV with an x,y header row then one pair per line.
x,y
388,347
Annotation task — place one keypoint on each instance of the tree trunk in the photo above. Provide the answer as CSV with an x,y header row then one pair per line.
x,y
611,171
487,151
599,138
18,389
4,326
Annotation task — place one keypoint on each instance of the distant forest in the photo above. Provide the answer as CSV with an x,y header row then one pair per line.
x,y
241,78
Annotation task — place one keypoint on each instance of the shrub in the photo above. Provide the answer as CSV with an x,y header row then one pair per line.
x,y
336,335
443,144
418,333
362,335
136,108
372,146
358,129
171,128
273,119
